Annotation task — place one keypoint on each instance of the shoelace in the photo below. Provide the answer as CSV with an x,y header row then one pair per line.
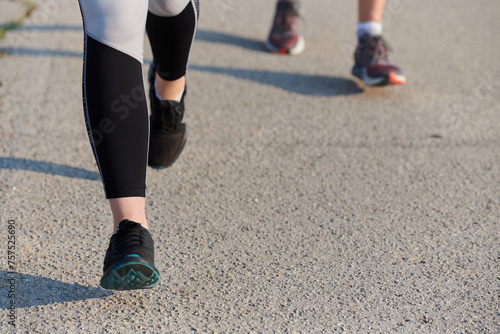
x,y
379,49
134,237
171,115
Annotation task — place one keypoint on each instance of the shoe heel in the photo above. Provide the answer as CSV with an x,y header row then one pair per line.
x,y
131,273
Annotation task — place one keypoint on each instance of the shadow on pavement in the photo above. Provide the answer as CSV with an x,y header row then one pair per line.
x,y
48,168
224,38
201,35
32,290
28,29
12,51
37,27
306,84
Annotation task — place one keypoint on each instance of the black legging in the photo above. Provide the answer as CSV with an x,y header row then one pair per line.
x,y
114,99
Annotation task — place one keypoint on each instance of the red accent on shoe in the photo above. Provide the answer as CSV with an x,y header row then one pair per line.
x,y
284,37
394,79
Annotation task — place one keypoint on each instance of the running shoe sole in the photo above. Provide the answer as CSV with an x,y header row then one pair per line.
x,y
295,50
131,273
389,79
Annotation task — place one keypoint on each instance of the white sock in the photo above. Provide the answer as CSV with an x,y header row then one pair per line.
x,y
370,28
178,99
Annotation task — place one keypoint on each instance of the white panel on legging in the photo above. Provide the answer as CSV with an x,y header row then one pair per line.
x,y
167,8
119,24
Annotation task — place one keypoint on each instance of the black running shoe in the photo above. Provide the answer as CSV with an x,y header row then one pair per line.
x,y
129,261
373,65
168,131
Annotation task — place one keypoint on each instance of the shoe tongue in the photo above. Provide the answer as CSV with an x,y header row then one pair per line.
x,y
167,103
382,62
124,224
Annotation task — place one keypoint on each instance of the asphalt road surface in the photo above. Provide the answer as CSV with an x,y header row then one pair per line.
x,y
303,202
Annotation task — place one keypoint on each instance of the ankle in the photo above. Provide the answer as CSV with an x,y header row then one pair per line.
x,y
169,90
131,208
